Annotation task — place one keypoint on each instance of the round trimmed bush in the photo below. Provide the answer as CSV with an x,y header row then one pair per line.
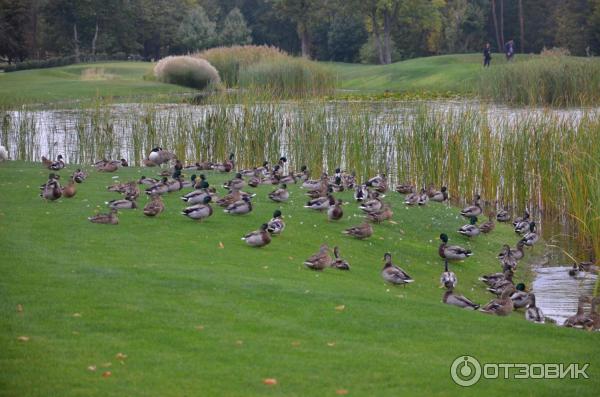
x,y
187,71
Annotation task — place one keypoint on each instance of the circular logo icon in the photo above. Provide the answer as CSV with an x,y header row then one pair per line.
x,y
465,371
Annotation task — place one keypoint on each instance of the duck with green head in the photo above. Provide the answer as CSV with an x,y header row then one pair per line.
x,y
276,225
199,211
470,230
473,210
452,252
280,195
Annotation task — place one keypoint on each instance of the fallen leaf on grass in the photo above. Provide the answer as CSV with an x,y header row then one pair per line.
x,y
341,392
106,365
393,222
121,356
331,344
270,381
106,374
20,308
76,314
340,308
221,245
23,338
200,327
239,342
296,343
91,368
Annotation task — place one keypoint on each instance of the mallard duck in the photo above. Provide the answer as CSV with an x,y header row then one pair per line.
x,y
110,218
502,284
79,176
470,230
319,204
360,232
361,193
288,179
322,191
448,279
161,187
233,197
70,190
502,306
534,313
393,274
487,227
338,262
155,206
335,211
412,198
276,224
491,279
439,196
472,210
197,196
383,214
175,185
594,316
503,216
303,174
507,259
524,218
199,211
585,267
532,237
51,190
405,188
240,207
372,205
122,204
236,183
200,182
320,260
517,254
258,238
110,166
338,185
452,252
280,195
579,319
349,180
450,298
520,297
423,198
147,181
314,184
57,165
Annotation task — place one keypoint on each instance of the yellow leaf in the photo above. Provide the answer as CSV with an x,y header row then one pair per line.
x,y
106,374
200,327
296,343
340,308
91,368
331,344
270,381
341,392
121,356
221,245
20,308
23,338
76,314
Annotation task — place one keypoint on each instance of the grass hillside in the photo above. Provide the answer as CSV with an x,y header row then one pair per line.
x,y
457,74
197,312
83,82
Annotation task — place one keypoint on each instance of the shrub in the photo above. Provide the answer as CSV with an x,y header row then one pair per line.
x,y
230,60
187,71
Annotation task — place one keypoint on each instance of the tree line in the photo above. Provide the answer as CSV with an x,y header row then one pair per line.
x,y
369,31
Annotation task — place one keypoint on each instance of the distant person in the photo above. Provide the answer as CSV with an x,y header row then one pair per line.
x,y
509,50
487,55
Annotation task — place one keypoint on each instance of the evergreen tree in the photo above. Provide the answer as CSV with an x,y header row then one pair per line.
x,y
235,30
196,32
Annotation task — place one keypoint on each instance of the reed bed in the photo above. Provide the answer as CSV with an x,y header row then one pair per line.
x,y
544,81
544,161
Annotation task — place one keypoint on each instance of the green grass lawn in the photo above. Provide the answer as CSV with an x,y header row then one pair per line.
x,y
456,74
123,81
199,313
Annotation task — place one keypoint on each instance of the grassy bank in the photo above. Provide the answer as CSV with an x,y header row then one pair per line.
x,y
197,312
123,81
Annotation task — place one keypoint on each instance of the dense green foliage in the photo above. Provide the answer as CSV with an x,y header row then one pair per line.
x,y
195,311
333,30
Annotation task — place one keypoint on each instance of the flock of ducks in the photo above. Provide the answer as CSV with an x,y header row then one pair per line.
x,y
320,192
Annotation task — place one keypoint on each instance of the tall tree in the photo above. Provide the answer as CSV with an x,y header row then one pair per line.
x,y
235,30
521,27
496,30
196,31
14,21
302,13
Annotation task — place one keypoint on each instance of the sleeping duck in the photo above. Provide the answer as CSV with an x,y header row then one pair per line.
x,y
452,252
393,274
122,204
280,195
502,306
199,211
155,206
258,238
109,219
276,225
360,232
383,214
335,211
241,207
450,298
439,196
319,204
